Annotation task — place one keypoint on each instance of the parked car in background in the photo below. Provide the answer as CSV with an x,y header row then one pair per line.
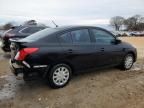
x,y
121,33
115,33
57,53
136,33
125,33
18,33
1,33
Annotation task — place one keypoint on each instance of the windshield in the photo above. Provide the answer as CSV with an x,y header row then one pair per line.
x,y
39,35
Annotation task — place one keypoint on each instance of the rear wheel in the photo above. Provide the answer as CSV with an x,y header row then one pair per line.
x,y
59,75
127,62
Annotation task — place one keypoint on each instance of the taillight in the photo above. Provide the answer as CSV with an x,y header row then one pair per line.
x,y
24,52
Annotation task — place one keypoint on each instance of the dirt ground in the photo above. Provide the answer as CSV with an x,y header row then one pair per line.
x,y
109,88
138,42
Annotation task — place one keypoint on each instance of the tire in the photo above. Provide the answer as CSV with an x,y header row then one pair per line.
x,y
59,76
5,49
127,62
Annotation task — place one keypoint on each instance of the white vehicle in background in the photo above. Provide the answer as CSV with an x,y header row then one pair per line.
x,y
137,33
121,33
126,33
116,33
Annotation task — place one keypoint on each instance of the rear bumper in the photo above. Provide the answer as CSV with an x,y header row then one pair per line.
x,y
15,68
27,70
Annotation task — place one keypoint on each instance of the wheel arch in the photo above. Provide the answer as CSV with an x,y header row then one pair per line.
x,y
134,55
60,62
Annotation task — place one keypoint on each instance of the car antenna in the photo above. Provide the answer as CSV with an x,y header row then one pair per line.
x,y
54,23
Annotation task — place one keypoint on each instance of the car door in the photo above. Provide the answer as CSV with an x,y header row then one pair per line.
x,y
105,44
78,48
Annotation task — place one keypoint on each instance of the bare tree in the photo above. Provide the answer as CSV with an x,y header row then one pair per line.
x,y
130,23
117,22
134,23
141,20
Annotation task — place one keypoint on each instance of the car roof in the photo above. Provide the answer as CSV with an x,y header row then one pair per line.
x,y
71,27
53,31
64,28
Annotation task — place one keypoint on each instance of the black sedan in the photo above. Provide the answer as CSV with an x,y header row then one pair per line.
x,y
18,33
57,53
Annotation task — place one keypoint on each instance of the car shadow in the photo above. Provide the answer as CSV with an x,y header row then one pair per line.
x,y
97,71
40,83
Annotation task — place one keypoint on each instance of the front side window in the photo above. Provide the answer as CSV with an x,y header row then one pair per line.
x,y
102,37
80,36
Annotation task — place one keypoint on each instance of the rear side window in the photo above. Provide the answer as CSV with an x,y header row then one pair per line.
x,y
31,29
80,36
102,37
43,34
65,38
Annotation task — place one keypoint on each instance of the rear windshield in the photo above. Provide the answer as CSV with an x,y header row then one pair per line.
x,y
39,35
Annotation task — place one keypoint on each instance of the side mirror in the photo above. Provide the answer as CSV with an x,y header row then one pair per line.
x,y
117,41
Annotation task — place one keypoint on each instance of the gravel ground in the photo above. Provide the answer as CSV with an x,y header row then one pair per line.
x,y
109,88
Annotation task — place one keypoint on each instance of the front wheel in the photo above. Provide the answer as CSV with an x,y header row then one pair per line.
x,y
59,75
128,62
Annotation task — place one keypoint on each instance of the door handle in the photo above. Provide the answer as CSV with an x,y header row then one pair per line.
x,y
102,49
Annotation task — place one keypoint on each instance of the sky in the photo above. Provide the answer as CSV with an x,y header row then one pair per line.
x,y
68,12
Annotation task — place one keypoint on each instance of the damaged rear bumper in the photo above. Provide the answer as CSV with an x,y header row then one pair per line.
x,y
15,68
24,70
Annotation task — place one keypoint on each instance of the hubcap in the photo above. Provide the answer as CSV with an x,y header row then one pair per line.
x,y
61,76
128,62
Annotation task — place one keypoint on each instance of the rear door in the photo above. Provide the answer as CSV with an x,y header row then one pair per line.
x,y
78,49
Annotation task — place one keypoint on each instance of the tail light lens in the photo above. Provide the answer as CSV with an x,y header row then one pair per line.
x,y
21,55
